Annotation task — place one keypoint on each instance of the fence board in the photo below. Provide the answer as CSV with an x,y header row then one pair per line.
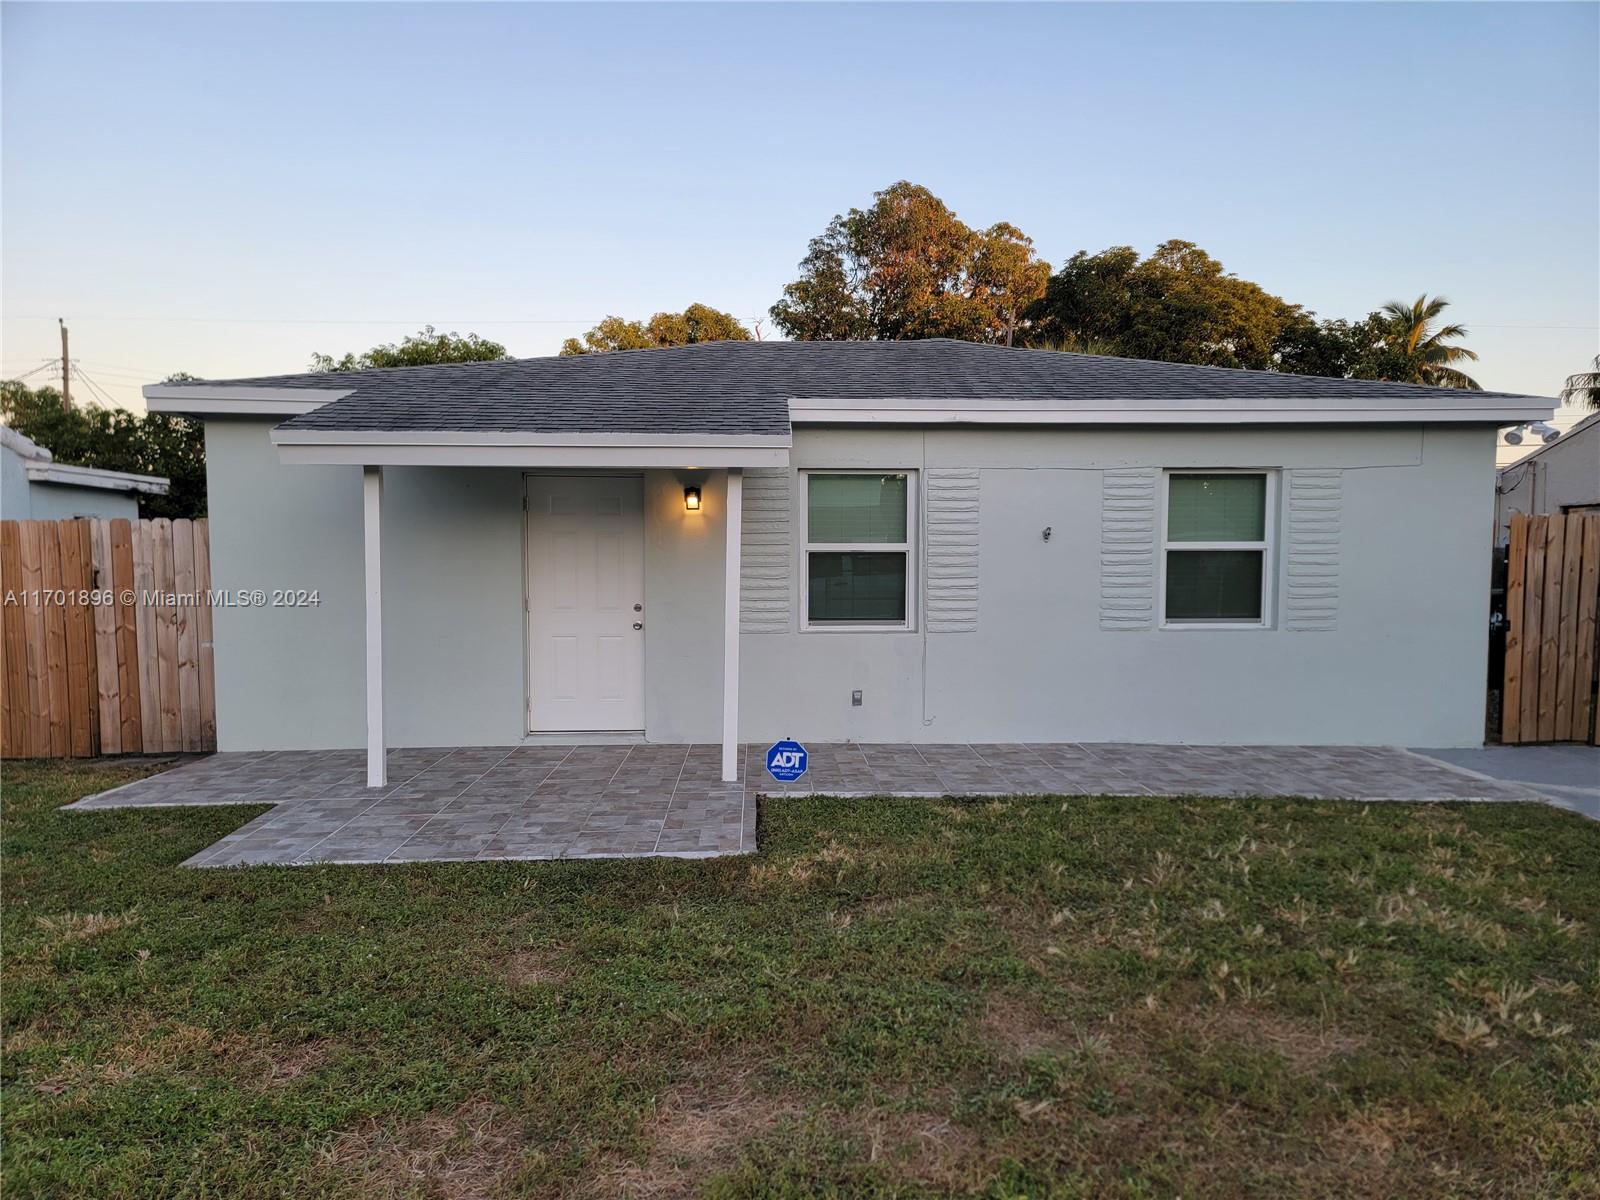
x,y
1567,627
144,586
1550,625
188,636
83,732
38,675
128,675
203,625
1532,602
1584,718
55,626
1511,690
106,638
15,742
104,615
166,634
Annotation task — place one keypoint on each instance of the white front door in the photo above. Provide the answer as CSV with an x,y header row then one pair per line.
x,y
585,602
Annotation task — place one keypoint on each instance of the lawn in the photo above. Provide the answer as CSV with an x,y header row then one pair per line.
x,y
1039,997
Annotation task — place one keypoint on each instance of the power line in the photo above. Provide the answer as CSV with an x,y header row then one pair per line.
x,y
48,364
97,389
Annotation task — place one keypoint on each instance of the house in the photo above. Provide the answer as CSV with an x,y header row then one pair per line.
x,y
33,486
1557,477
928,541
1508,452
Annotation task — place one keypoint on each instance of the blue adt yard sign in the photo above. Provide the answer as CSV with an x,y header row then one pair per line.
x,y
786,761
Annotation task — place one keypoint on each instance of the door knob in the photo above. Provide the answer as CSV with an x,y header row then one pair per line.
x,y
638,624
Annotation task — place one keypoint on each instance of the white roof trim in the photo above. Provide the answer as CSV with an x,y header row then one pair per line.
x,y
456,448
487,437
96,477
201,400
911,411
402,454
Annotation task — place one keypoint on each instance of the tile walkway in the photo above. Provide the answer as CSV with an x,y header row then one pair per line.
x,y
451,805
540,802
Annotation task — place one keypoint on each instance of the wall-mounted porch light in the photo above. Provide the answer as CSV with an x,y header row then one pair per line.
x,y
691,499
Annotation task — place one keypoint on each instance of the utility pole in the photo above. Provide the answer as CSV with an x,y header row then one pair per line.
x,y
66,368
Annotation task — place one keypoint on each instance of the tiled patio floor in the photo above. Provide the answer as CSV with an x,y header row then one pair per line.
x,y
539,802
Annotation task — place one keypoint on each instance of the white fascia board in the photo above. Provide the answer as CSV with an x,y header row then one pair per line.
x,y
772,452
95,477
198,400
1160,412
286,436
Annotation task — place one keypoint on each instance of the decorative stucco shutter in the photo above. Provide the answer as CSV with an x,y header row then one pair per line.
x,y
951,504
766,556
1128,548
1314,519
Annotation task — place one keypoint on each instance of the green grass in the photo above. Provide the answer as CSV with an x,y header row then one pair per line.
x,y
894,998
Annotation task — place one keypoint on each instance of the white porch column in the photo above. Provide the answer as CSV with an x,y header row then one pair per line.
x,y
730,626
372,505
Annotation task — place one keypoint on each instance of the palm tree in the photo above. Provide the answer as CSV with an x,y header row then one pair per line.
x,y
1583,389
1423,353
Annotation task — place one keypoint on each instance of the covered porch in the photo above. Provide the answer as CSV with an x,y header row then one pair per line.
x,y
591,506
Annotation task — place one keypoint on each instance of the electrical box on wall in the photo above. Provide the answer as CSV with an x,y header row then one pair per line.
x,y
855,698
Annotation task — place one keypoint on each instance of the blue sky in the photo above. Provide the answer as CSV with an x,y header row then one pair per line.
x,y
224,189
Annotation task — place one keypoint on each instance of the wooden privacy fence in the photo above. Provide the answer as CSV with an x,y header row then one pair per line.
x,y
1552,593
107,638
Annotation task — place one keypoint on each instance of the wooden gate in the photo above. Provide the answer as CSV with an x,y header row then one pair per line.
x,y
107,638
1552,593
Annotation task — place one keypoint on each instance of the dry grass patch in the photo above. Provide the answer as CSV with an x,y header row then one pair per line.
x,y
1021,1030
695,1131
285,1067
920,1146
533,968
81,927
467,1154
1306,1046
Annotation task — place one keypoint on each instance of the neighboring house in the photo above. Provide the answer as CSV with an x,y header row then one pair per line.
x,y
1506,453
928,541
1557,477
34,487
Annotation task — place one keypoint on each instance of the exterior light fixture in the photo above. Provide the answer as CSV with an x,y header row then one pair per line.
x,y
1544,432
691,499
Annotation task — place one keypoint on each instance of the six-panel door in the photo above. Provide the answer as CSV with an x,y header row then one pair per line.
x,y
585,602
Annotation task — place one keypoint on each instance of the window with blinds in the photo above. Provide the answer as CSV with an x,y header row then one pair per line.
x,y
858,550
1217,549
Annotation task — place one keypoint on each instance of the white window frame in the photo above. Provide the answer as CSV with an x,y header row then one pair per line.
x,y
1267,546
908,547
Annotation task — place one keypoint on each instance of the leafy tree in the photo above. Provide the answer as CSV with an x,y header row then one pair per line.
x,y
907,267
1337,348
416,350
697,323
1415,350
1583,389
1177,305
116,439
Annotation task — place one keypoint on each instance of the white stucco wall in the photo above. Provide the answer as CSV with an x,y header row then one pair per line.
x,y
454,639
1390,649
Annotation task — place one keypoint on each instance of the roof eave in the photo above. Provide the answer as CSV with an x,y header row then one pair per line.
x,y
96,477
1496,411
200,400
450,448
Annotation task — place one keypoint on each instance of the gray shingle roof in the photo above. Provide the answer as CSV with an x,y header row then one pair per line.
x,y
744,387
